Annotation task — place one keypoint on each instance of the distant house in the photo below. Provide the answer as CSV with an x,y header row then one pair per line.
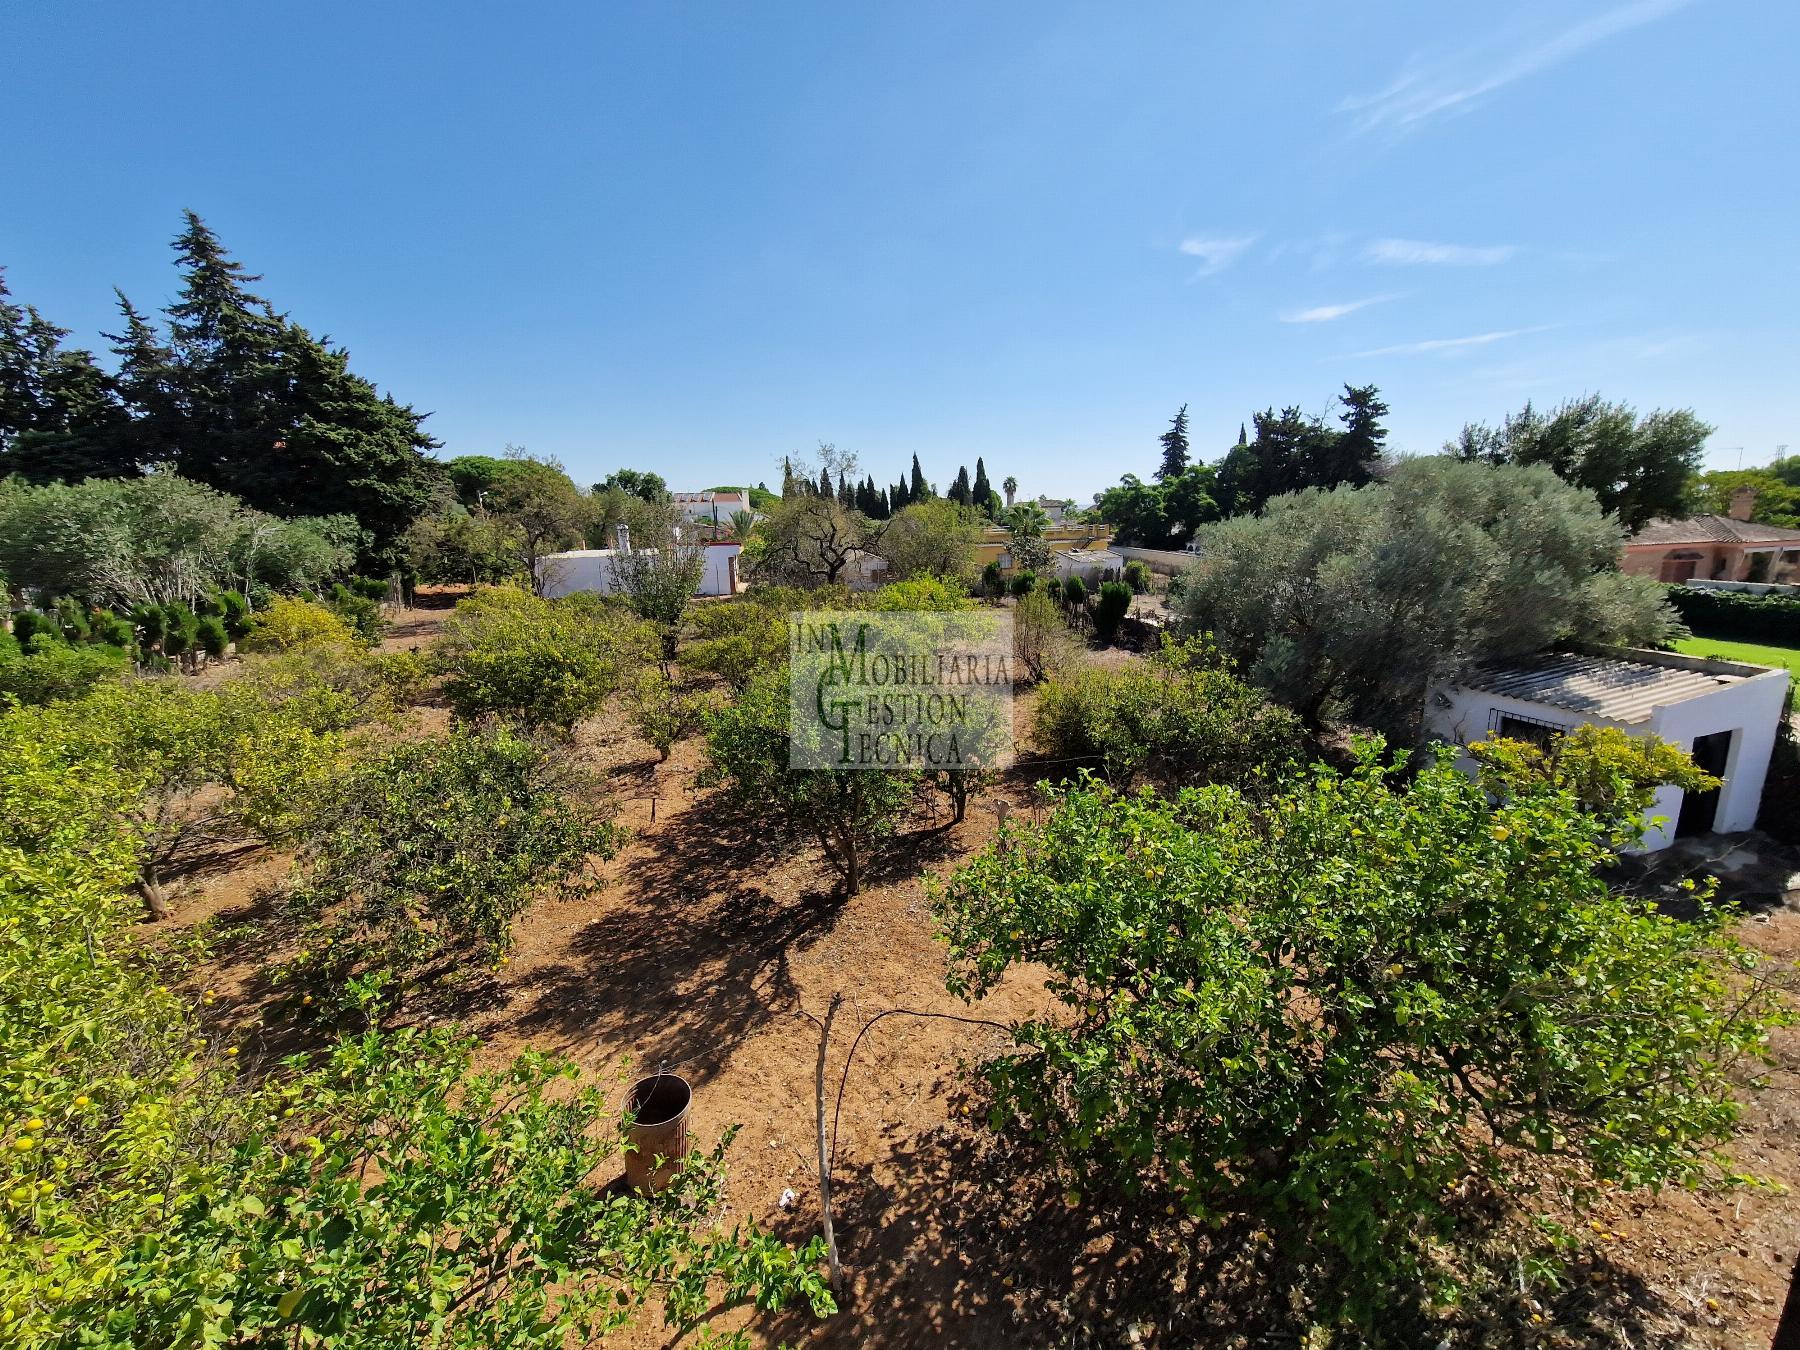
x,y
1726,715
595,569
710,506
1056,508
1715,548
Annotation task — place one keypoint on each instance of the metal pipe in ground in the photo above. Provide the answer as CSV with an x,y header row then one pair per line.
x,y
831,1251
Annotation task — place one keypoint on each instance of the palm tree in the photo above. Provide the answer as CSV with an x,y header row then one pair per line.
x,y
1011,485
1025,524
742,522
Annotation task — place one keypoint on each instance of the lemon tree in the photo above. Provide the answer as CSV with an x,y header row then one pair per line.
x,y
1326,1010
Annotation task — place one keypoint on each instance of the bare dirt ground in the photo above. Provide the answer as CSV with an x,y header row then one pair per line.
x,y
704,951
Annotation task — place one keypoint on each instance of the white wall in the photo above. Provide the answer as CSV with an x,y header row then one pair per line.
x,y
592,569
1752,708
1160,559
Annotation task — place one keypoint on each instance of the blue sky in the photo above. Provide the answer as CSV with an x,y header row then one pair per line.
x,y
694,237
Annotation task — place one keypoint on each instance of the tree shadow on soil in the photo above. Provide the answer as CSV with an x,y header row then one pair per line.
x,y
976,1243
692,964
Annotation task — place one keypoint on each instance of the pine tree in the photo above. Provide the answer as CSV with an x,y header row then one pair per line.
x,y
1175,447
983,490
272,415
227,367
1359,446
145,382
60,416
917,490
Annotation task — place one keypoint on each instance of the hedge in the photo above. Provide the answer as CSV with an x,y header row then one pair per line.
x,y
1773,619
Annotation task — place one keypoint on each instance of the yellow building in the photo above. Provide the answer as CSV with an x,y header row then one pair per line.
x,y
994,545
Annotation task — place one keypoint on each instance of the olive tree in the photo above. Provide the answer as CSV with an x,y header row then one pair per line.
x,y
1354,599
931,538
659,584
1326,1013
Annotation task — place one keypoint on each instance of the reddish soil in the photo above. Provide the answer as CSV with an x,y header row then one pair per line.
x,y
705,953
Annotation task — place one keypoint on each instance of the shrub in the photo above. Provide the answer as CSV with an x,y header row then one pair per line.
x,y
290,624
1609,772
1074,592
110,629
1053,588
428,852
1175,718
50,672
210,636
1326,1014
235,610
1110,608
358,610
735,639
1022,583
71,619
1137,576
541,662
150,623
370,588
662,713
1743,615
992,582
1042,645
30,623
195,767
181,630
935,594
845,810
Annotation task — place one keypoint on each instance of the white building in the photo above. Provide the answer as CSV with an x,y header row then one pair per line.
x,y
594,569
710,506
1724,714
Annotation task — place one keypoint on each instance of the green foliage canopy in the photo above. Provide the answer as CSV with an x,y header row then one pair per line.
x,y
1323,1013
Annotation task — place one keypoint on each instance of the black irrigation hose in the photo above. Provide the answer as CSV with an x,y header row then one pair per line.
x,y
844,1080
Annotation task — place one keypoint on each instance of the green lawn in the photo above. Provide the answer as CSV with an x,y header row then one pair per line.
x,y
1751,652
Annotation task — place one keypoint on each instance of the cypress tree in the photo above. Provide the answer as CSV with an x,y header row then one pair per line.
x,y
983,490
825,489
917,491
960,492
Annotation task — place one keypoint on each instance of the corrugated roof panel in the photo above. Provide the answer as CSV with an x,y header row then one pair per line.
x,y
1599,686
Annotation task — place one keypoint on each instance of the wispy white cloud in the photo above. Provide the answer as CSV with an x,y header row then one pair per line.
x,y
1451,344
1216,252
1454,85
1410,251
1326,313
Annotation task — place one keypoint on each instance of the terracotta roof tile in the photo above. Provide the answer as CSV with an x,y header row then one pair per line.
x,y
1713,530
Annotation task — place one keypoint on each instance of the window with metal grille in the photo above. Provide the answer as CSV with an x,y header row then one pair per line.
x,y
1515,727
